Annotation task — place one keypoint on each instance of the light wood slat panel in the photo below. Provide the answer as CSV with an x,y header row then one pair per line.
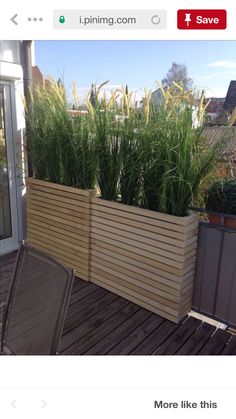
x,y
144,289
162,239
143,295
149,264
82,215
53,215
145,303
173,282
96,239
41,196
151,286
135,220
153,246
58,222
69,200
162,234
168,264
175,246
138,235
56,227
67,246
136,259
59,200
154,279
56,187
146,213
71,261
76,212
47,233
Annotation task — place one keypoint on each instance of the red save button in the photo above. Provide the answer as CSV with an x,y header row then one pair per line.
x,y
201,19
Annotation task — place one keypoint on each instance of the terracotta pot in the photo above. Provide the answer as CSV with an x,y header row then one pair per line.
x,y
230,222
216,219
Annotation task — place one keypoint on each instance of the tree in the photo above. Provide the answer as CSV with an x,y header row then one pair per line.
x,y
179,74
93,96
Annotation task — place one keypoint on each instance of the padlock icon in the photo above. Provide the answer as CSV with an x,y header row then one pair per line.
x,y
62,19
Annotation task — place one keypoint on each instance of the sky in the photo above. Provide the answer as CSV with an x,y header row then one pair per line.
x,y
139,64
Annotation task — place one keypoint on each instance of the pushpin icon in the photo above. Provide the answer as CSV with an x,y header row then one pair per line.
x,y
62,19
188,18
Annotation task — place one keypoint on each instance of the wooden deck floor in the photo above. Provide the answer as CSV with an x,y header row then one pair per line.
x,y
101,323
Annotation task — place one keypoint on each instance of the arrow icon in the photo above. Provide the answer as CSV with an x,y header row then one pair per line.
x,y
44,404
13,404
13,19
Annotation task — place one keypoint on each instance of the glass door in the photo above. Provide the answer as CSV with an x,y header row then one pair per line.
x,y
8,203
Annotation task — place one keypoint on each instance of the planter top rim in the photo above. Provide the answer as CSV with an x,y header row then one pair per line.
x,y
192,216
47,184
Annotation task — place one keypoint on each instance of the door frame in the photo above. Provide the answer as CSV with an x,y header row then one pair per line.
x,y
12,243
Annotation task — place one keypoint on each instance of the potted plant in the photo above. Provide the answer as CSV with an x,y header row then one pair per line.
x,y
143,236
62,152
221,198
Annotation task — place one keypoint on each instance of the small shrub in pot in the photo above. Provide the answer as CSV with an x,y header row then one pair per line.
x,y
221,198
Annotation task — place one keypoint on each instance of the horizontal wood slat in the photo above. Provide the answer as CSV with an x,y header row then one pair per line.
x,y
52,187
81,213
58,222
150,245
62,222
136,220
149,262
146,213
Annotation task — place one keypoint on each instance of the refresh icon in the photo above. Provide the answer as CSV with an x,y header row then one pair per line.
x,y
155,20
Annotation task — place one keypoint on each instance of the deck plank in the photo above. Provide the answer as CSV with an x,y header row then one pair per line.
x,y
100,322
139,335
154,340
119,333
179,336
230,348
83,303
70,341
118,316
197,341
216,344
102,300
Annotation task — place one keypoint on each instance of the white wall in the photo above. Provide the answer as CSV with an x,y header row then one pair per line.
x,y
10,51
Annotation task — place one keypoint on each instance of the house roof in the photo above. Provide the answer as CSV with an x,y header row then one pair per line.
x,y
215,105
214,134
230,100
228,106
38,77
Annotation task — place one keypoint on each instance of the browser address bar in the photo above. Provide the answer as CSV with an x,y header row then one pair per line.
x,y
109,19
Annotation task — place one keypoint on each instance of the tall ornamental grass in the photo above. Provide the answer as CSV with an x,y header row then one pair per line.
x,y
131,150
107,133
177,160
61,146
150,156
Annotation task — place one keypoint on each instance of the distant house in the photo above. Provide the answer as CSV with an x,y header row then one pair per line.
x,y
214,108
38,78
228,106
157,99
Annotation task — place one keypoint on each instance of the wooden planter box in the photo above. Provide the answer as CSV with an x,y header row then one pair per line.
x,y
141,255
144,256
58,222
